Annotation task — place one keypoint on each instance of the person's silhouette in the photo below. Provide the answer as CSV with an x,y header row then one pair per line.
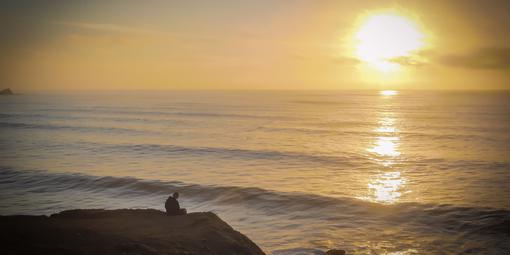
x,y
172,205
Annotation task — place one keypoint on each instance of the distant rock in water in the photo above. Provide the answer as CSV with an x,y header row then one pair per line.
x,y
6,92
127,232
335,252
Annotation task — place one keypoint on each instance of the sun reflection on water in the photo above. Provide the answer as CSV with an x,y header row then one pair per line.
x,y
406,252
388,184
386,130
386,187
387,122
388,92
386,146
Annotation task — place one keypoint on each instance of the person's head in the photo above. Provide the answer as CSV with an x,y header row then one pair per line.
x,y
176,195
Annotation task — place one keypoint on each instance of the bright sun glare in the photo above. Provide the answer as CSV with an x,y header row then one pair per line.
x,y
383,38
388,93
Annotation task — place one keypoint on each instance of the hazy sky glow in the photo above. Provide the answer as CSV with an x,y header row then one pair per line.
x,y
248,45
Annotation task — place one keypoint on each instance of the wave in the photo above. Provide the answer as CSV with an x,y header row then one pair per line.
x,y
347,159
344,104
20,125
169,113
16,115
80,117
446,218
308,131
340,160
404,134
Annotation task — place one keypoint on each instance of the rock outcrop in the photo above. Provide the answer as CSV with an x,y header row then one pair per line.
x,y
124,232
6,92
335,252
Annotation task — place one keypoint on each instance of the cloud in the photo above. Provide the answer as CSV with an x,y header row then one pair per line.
x,y
483,58
414,61
345,61
107,27
135,31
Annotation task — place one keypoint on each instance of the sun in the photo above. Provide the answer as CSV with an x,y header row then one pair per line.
x,y
384,38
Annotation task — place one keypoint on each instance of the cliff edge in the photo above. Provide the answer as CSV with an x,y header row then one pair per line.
x,y
125,231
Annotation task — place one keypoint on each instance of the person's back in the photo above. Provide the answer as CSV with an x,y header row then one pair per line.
x,y
172,205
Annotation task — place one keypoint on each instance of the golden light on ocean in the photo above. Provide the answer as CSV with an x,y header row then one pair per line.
x,y
387,185
388,92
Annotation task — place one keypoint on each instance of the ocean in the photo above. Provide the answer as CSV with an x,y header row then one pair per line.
x,y
298,172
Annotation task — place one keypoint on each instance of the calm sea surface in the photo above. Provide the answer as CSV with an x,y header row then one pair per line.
x,y
408,172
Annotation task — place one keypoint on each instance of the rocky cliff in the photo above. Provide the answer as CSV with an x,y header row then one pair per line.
x,y
124,231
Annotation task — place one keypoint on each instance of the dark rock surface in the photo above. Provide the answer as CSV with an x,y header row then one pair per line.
x,y
123,231
6,92
335,252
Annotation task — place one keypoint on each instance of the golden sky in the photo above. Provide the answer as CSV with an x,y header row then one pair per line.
x,y
247,45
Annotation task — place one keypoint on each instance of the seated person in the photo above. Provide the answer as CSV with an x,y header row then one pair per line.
x,y
172,205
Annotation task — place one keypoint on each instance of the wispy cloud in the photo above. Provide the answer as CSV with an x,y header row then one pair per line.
x,y
483,58
345,61
414,61
107,27
206,38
